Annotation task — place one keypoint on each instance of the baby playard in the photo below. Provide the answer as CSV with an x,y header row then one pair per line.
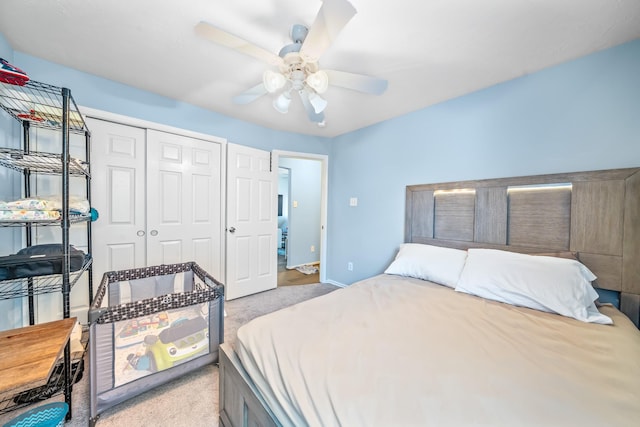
x,y
156,324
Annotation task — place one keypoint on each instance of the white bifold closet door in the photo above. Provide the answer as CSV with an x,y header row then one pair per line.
x,y
183,201
159,198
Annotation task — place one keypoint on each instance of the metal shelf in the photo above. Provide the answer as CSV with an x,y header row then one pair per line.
x,y
41,105
37,285
40,162
73,219
11,401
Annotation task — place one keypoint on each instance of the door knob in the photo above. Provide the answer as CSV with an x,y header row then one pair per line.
x,y
154,232
140,233
232,229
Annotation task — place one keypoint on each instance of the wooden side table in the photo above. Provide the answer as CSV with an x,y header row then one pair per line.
x,y
28,355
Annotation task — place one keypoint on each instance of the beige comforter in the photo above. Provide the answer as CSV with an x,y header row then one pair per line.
x,y
394,351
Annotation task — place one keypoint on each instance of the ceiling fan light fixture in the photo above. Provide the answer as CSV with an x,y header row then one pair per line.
x,y
297,63
273,81
319,81
281,103
318,102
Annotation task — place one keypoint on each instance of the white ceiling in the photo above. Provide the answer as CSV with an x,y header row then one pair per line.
x,y
428,50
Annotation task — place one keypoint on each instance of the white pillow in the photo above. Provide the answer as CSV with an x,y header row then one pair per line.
x,y
555,285
426,262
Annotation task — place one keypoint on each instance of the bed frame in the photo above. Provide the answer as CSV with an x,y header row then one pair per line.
x,y
593,215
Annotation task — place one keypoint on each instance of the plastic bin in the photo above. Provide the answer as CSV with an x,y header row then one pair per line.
x,y
49,415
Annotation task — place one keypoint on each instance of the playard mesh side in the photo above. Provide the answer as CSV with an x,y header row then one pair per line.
x,y
151,325
207,290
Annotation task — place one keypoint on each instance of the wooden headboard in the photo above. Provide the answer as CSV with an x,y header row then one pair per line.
x,y
595,215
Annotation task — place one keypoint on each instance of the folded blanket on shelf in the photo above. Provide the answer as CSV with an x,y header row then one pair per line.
x,y
23,215
77,205
26,205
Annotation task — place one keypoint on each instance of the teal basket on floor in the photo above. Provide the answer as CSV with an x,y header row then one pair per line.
x,y
49,415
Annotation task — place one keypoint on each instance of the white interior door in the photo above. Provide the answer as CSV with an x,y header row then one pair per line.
x,y
118,156
251,222
183,201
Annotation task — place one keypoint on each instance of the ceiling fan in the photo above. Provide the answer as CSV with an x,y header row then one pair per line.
x,y
298,68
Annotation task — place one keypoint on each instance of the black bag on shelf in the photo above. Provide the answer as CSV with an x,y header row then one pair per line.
x,y
38,260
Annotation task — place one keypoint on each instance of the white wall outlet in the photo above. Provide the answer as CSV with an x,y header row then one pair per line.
x,y
353,201
350,266
313,248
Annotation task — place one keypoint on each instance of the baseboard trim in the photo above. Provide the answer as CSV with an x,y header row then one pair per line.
x,y
338,284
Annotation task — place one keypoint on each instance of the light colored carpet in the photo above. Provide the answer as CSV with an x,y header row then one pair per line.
x,y
191,400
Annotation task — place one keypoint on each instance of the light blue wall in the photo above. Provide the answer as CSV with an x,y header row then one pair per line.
x,y
7,128
10,237
95,92
6,133
581,115
304,220
9,137
6,52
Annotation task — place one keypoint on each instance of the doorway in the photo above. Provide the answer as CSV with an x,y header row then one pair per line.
x,y
301,217
288,275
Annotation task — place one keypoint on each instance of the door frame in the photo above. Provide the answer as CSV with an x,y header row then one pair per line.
x,y
145,124
324,183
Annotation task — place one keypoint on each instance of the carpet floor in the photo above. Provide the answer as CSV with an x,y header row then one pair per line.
x,y
191,400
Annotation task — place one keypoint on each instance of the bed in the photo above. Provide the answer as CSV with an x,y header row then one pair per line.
x,y
432,343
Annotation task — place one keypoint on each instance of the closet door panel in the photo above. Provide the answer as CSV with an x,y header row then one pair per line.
x,y
201,184
169,252
118,156
171,200
202,250
120,256
183,200
122,195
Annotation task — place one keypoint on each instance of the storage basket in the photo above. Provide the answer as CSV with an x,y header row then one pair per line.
x,y
49,415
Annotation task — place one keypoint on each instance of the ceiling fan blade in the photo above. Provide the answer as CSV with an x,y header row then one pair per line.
x,y
359,82
218,36
331,19
250,95
311,112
